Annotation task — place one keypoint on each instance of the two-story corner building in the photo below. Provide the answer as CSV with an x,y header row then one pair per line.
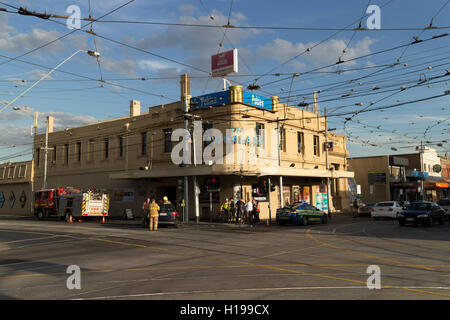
x,y
134,157
401,177
15,188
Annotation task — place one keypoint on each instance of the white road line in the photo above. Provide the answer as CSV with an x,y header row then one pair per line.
x,y
249,289
32,239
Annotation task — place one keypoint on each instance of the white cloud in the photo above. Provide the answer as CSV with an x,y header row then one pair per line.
x,y
27,41
325,54
125,67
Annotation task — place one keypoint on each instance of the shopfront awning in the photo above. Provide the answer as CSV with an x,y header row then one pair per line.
x,y
223,170
437,182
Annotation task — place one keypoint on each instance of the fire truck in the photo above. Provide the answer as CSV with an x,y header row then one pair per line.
x,y
69,203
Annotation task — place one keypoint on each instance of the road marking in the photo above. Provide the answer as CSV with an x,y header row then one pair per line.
x,y
397,262
23,240
308,233
141,295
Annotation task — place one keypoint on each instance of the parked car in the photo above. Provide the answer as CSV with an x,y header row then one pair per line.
x,y
386,209
423,213
302,213
365,209
168,215
445,204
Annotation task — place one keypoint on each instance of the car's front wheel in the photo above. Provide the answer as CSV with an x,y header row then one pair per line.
x,y
304,221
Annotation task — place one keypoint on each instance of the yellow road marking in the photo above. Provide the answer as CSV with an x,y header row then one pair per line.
x,y
397,262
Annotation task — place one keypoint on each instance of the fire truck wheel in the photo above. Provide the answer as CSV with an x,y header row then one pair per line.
x,y
40,214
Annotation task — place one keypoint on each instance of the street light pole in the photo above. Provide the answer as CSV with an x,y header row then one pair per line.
x,y
91,53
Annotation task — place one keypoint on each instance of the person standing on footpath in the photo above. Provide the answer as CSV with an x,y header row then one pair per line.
x,y
250,212
145,211
154,213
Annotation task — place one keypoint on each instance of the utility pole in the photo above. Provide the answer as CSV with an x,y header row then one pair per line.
x,y
422,170
327,163
185,91
44,184
279,161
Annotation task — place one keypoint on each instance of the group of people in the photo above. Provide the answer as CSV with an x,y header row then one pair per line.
x,y
151,209
240,211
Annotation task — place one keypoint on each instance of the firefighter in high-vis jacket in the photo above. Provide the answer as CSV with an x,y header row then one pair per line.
x,y
154,213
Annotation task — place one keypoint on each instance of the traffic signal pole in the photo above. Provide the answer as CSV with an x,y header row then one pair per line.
x,y
270,210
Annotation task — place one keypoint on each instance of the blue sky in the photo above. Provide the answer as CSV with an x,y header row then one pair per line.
x,y
74,102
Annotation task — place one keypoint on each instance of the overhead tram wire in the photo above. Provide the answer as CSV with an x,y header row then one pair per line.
x,y
261,27
314,46
430,27
63,36
353,80
133,47
91,79
223,38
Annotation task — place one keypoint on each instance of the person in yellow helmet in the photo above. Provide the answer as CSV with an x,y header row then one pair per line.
x,y
166,200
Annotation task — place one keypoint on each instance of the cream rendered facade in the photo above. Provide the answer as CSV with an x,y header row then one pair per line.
x,y
130,157
15,188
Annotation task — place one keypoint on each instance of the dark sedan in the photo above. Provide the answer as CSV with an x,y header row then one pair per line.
x,y
167,215
423,213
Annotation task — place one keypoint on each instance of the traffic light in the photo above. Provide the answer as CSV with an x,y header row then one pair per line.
x,y
212,184
263,187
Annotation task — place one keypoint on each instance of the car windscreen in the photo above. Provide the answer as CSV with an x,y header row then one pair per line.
x,y
419,206
385,204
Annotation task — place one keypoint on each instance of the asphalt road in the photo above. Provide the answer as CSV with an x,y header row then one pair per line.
x,y
124,261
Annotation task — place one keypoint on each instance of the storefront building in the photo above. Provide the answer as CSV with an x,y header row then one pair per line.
x,y
16,188
135,157
399,177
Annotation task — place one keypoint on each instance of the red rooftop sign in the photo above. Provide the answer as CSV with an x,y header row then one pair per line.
x,y
224,63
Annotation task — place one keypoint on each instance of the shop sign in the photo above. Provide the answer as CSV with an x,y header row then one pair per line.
x,y
377,177
224,63
210,100
256,100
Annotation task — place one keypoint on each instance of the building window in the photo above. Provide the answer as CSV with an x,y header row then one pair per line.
x,y
79,151
106,144
54,154
90,150
283,140
38,156
143,143
167,140
259,134
300,142
66,153
120,146
316,145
